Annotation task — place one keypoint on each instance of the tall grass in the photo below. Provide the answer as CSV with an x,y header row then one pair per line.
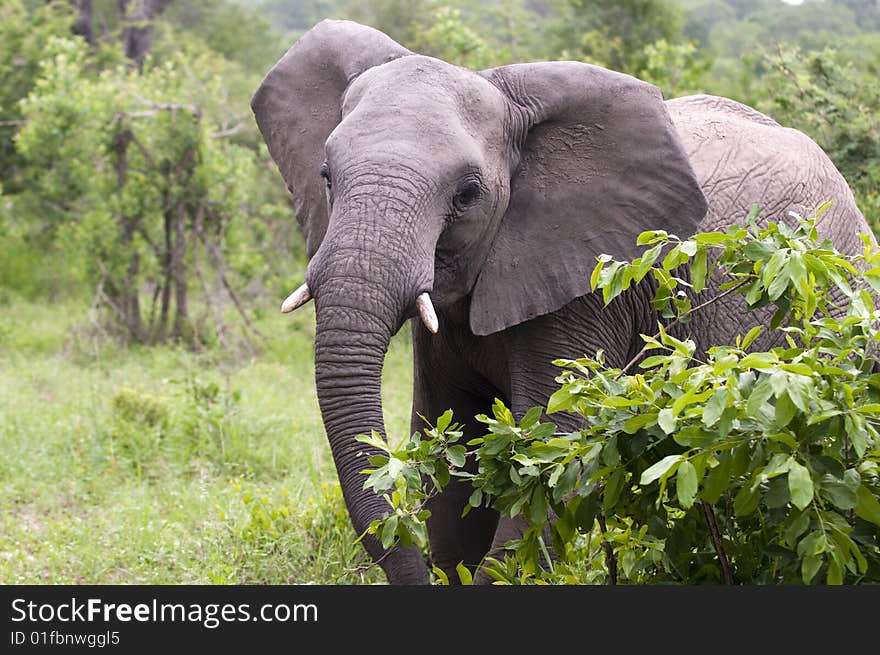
x,y
160,465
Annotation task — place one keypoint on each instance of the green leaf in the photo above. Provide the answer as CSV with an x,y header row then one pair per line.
x,y
800,484
389,530
867,506
456,455
714,406
813,544
809,567
585,514
635,423
754,293
395,466
674,258
612,490
797,527
757,250
654,360
746,501
616,281
760,394
686,484
855,429
694,436
835,573
710,238
797,270
751,335
562,399
774,265
752,216
778,285
698,271
662,468
785,410
597,271
651,236
444,420
441,576
800,388
531,418
610,454
758,360
543,431
646,261
666,420
718,479
538,507
777,493
464,574
841,495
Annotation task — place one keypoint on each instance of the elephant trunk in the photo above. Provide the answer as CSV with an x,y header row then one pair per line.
x,y
353,281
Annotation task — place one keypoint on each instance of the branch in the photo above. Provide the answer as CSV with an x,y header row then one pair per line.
x,y
156,107
788,72
221,328
14,123
142,148
218,263
645,348
716,541
228,131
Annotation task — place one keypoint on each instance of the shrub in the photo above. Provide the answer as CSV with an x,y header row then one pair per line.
x,y
744,467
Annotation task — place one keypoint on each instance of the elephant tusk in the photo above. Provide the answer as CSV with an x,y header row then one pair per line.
x,y
297,299
426,311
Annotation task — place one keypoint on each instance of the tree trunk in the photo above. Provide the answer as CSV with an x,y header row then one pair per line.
x,y
166,277
83,25
126,290
137,36
178,272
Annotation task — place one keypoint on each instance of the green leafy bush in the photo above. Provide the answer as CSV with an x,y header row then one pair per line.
x,y
836,102
739,466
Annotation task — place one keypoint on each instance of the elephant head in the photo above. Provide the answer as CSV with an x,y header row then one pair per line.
x,y
420,184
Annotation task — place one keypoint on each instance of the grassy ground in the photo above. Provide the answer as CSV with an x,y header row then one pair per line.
x,y
159,465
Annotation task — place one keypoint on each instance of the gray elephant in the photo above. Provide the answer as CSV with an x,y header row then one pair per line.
x,y
478,203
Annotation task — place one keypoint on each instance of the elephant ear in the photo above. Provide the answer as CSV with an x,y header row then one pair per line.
x,y
299,103
600,162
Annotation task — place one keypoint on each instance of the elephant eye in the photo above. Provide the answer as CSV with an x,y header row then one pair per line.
x,y
325,173
466,195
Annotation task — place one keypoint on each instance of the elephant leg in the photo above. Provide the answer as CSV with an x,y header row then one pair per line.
x,y
439,385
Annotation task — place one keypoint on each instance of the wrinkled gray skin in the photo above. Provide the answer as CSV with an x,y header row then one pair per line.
x,y
495,191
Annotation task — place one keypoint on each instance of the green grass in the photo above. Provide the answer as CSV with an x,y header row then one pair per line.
x,y
159,465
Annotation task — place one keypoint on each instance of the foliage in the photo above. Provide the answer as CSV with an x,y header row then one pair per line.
x,y
677,68
137,164
24,37
614,33
233,32
837,105
731,465
449,39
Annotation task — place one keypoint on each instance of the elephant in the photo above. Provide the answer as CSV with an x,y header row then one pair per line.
x,y
473,204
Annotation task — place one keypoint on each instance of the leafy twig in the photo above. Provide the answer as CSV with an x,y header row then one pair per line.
x,y
645,348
